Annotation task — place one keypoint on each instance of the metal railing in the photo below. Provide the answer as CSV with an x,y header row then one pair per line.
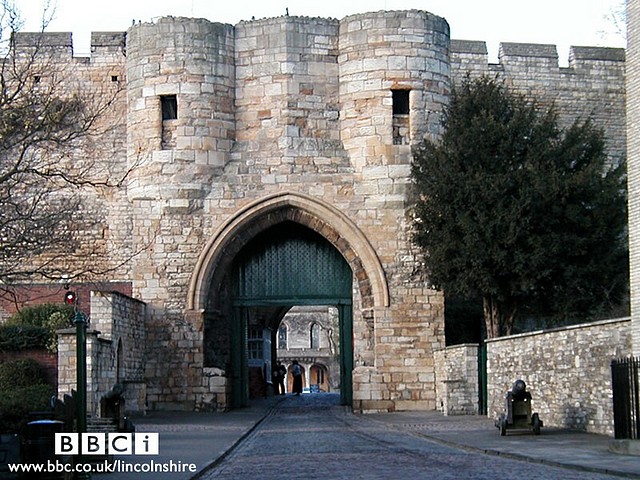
x,y
625,379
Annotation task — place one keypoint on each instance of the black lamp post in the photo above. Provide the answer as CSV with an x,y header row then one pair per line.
x,y
81,374
81,380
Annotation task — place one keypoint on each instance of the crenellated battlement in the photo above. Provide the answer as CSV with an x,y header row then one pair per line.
x,y
59,45
357,63
543,54
591,85
42,39
468,51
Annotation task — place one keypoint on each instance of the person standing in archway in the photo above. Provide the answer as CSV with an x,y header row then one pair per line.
x,y
296,370
279,374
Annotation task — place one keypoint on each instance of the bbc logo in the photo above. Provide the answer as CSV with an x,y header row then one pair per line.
x,y
107,443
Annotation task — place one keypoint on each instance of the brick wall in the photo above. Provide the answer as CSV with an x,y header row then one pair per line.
x,y
29,295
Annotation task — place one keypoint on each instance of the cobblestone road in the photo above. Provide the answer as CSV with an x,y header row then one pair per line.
x,y
313,437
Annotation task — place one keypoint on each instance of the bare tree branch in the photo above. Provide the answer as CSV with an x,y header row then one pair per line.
x,y
53,170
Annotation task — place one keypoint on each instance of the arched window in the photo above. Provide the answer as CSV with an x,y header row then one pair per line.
x,y
315,335
282,337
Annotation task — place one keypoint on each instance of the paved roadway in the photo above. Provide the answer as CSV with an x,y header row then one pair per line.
x,y
313,437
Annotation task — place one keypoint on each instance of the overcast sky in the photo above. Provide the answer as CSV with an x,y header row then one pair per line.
x,y
559,22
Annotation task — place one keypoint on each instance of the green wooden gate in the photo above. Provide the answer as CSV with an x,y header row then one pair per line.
x,y
290,265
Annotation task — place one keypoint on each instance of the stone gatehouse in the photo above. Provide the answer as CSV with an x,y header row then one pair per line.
x,y
269,167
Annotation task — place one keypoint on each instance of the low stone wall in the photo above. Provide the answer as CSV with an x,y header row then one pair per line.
x,y
100,361
115,352
457,379
567,370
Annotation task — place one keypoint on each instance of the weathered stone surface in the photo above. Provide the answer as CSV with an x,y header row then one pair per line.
x,y
292,119
567,371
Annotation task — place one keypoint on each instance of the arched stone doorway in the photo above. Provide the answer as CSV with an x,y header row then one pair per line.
x,y
318,375
286,265
220,309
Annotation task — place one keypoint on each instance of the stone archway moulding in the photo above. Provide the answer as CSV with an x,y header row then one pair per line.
x,y
325,213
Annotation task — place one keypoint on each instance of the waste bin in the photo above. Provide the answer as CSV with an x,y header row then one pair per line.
x,y
39,446
9,453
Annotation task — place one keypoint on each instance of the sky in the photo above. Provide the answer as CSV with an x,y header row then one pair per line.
x,y
559,22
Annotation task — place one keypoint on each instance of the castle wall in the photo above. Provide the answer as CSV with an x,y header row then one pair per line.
x,y
633,166
325,110
289,125
99,156
592,84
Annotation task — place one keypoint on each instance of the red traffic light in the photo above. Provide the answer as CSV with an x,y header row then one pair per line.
x,y
70,298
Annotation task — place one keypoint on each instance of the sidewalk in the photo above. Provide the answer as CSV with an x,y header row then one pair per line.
x,y
204,438
199,438
557,447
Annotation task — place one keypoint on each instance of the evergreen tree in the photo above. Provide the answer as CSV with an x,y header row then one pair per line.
x,y
519,211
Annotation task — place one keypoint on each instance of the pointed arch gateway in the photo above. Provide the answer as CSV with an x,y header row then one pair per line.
x,y
224,259
319,216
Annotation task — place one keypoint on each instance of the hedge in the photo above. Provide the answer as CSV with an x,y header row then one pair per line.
x,y
35,327
24,389
21,337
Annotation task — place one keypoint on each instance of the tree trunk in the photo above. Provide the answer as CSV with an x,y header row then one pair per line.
x,y
498,316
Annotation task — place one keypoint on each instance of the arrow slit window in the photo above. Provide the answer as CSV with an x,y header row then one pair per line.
x,y
169,112
401,110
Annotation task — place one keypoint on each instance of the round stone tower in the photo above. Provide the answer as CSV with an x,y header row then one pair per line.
x,y
180,92
394,80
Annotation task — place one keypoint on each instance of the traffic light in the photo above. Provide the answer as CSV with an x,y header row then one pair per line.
x,y
70,298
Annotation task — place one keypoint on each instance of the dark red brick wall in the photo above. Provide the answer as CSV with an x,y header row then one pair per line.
x,y
38,294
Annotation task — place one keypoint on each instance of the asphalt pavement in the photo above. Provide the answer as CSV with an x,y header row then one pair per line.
x,y
200,440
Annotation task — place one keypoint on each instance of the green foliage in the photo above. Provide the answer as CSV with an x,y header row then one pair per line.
x,y
38,315
57,321
16,404
24,389
17,337
463,320
518,211
35,327
21,373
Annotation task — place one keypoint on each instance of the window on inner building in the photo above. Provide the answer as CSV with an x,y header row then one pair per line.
x,y
254,340
282,337
315,335
169,106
